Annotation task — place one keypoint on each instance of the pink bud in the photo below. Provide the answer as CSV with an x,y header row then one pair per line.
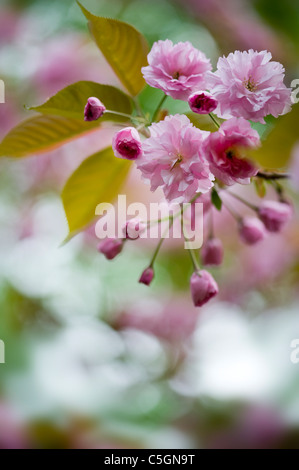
x,y
202,102
212,252
147,276
133,228
275,215
203,287
251,230
110,247
94,109
127,144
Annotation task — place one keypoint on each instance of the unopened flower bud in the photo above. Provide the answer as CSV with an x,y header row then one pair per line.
x,y
133,228
147,276
203,287
212,252
251,230
110,247
202,102
94,109
127,144
274,215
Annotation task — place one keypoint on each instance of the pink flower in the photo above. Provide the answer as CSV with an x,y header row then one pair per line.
x,y
203,287
202,102
212,252
94,109
249,85
133,228
127,144
224,151
147,276
251,230
110,247
274,215
173,158
177,69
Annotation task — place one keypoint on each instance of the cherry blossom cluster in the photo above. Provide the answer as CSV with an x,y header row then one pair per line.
x,y
188,163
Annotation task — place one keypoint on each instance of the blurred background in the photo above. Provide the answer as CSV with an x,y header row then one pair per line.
x,y
94,359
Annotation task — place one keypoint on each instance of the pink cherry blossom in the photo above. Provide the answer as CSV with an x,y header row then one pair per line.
x,y
133,228
127,144
251,230
94,109
275,215
110,247
212,252
177,69
224,151
249,85
147,276
173,158
203,287
202,102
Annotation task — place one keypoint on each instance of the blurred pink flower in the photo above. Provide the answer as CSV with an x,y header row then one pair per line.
x,y
275,215
251,230
212,252
249,85
126,144
173,158
133,228
224,149
202,102
177,69
110,247
203,287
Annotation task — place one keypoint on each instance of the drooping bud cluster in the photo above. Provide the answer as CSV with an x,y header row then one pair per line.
x,y
189,163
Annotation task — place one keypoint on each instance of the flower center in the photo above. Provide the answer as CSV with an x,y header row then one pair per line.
x,y
250,84
176,162
176,75
230,153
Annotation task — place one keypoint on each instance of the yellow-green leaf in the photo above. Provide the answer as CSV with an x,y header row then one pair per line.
x,y
123,47
203,121
97,180
260,187
70,101
42,133
275,152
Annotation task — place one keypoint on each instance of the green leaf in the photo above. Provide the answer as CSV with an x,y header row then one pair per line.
x,y
216,201
42,133
276,151
70,101
123,47
203,121
97,180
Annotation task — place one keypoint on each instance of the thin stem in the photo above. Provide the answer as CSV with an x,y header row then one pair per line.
x,y
158,108
239,198
272,176
138,107
194,261
117,113
232,212
160,243
214,120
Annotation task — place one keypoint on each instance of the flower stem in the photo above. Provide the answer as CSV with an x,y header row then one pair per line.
x,y
272,176
158,108
214,120
194,261
160,243
239,198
